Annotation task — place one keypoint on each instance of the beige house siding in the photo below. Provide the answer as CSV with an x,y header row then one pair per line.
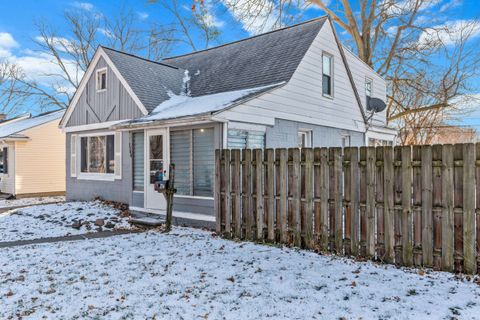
x,y
40,161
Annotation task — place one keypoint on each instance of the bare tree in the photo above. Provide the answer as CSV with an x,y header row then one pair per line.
x,y
194,27
12,92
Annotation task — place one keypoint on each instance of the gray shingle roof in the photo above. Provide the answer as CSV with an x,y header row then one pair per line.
x,y
149,80
253,62
262,60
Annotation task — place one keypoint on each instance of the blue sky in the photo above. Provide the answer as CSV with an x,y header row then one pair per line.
x,y
17,24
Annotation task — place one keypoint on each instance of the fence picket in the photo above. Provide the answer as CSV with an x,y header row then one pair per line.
x,y
236,194
405,154
477,210
259,176
217,199
458,207
337,198
307,221
270,194
347,244
448,242
283,201
417,206
247,193
469,254
437,205
380,203
388,213
370,202
227,193
363,202
354,197
324,193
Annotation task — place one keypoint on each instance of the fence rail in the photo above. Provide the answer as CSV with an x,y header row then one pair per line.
x,y
412,206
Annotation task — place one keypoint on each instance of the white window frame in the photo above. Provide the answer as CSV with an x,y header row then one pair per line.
x,y
308,133
368,80
329,55
97,80
93,175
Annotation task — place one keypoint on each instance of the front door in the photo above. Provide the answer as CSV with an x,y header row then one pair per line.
x,y
157,167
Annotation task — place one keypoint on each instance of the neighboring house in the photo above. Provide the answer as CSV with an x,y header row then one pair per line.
x,y
131,117
32,155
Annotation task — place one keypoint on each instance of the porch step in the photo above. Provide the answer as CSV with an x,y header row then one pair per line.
x,y
147,221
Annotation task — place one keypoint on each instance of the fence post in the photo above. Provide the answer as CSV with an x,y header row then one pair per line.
x,y
217,199
388,209
307,224
469,255
270,192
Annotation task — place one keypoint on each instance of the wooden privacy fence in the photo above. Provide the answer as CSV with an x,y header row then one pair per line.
x,y
412,206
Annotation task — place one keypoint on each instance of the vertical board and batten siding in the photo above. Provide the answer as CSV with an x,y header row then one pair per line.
x,y
405,205
36,170
112,104
301,99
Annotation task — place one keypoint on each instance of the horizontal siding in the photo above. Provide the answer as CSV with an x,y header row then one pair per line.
x,y
360,71
40,162
301,98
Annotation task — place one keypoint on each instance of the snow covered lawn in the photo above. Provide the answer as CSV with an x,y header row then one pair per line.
x,y
30,201
61,219
188,274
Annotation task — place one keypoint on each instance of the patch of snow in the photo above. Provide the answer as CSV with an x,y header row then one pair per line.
x,y
27,123
189,274
57,220
30,201
186,84
181,105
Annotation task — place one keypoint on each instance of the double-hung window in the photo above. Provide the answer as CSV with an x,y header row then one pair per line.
x,y
327,75
97,154
305,139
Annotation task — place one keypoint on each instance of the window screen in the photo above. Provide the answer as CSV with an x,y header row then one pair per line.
x,y
138,161
203,162
193,153
180,156
242,139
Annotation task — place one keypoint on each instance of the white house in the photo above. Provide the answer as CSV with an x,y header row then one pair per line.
x,y
131,117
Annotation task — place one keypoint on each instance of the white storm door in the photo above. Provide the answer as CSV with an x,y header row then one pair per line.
x,y
156,159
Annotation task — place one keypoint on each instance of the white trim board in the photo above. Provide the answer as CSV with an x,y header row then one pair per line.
x,y
100,53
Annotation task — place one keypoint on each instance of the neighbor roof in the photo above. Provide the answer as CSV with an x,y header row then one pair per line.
x,y
261,60
11,130
150,81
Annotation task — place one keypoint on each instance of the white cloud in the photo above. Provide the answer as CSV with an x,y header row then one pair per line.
x,y
403,6
450,5
83,5
256,17
143,15
7,41
449,33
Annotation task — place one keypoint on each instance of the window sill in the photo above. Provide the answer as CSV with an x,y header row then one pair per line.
x,y
101,90
328,96
97,176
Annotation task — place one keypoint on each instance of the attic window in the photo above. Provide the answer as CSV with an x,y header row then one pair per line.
x,y
102,79
327,75
368,87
